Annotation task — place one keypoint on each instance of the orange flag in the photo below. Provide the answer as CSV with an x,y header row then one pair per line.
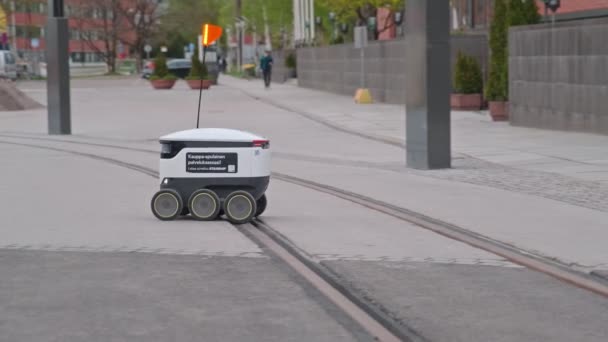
x,y
210,34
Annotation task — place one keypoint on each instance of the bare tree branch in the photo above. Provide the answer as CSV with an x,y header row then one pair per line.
x,y
142,17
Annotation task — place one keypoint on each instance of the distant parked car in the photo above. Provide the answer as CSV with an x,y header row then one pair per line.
x,y
8,65
148,69
179,67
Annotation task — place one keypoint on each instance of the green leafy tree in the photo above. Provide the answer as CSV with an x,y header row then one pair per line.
x,y
279,17
523,12
360,11
182,22
467,76
531,12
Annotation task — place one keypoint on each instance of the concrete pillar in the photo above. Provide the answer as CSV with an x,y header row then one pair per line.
x,y
428,86
58,70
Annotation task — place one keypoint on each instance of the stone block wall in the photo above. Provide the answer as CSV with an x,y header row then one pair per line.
x,y
337,68
559,76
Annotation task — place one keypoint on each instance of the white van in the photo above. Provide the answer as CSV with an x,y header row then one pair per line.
x,y
8,66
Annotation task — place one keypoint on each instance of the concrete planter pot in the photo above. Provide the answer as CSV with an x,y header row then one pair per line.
x,y
163,84
466,101
196,84
499,110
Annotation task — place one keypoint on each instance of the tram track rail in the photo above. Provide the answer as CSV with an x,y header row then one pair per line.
x,y
380,327
371,203
290,254
530,259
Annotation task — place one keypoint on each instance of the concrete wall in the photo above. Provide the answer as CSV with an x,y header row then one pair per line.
x,y
559,77
337,68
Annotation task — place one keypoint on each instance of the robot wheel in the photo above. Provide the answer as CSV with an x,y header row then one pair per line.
x,y
204,205
167,204
240,207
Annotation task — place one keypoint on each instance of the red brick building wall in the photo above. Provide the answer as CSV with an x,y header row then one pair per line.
x,y
477,14
30,22
570,6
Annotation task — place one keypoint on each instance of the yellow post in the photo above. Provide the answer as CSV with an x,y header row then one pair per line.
x,y
363,96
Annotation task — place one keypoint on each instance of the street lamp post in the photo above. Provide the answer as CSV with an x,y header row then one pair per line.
x,y
332,19
307,33
58,70
398,21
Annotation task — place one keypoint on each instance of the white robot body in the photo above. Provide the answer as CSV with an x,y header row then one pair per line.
x,y
218,161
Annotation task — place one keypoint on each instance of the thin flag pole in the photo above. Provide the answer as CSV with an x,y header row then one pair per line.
x,y
200,94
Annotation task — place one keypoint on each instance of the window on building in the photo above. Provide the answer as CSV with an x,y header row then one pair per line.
x,y
21,7
28,31
93,57
77,57
460,14
75,34
470,14
9,58
482,13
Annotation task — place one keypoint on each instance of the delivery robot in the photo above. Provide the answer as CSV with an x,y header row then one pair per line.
x,y
208,172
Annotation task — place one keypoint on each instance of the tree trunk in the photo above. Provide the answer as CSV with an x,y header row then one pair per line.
x,y
112,52
112,63
138,61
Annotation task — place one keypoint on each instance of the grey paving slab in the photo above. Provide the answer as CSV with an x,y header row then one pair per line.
x,y
54,200
551,228
67,296
480,303
330,228
526,207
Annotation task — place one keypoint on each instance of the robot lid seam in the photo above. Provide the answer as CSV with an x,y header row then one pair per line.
x,y
212,134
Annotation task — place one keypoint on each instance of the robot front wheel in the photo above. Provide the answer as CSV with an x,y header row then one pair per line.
x,y
167,204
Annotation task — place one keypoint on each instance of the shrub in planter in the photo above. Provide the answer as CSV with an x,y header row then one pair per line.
x,y
291,64
498,81
161,78
468,84
506,13
199,75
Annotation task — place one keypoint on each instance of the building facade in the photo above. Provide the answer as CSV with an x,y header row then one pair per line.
x,y
467,15
303,21
25,22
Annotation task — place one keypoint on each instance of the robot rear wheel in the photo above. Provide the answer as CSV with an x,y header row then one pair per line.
x,y
261,203
240,207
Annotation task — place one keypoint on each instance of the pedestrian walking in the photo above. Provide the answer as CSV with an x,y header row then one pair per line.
x,y
224,65
266,66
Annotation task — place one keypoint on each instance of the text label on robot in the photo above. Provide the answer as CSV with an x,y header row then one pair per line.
x,y
211,162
